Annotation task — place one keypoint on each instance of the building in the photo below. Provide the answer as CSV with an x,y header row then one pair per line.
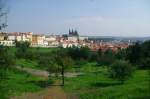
x,y
37,40
7,43
73,36
3,36
20,36
50,38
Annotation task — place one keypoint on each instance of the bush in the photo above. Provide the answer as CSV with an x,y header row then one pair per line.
x,y
79,53
105,60
120,70
145,63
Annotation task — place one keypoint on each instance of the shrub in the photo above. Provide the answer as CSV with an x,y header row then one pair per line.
x,y
105,60
120,70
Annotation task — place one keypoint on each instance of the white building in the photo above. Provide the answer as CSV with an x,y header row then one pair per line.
x,y
7,43
50,38
73,38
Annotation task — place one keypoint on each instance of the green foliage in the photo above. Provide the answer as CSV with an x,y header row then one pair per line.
x,y
139,54
99,86
6,63
121,54
22,49
120,70
79,53
145,63
107,58
99,52
6,59
94,56
20,82
134,53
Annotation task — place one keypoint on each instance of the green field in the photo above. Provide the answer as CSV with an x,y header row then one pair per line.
x,y
97,85
19,82
93,84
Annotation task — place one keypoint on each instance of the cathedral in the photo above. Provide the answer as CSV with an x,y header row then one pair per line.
x,y
73,33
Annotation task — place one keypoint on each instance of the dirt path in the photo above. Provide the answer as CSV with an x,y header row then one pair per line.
x,y
52,92
43,73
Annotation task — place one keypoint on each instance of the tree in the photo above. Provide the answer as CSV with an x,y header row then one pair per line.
x,y
120,70
22,49
133,53
6,63
145,54
56,62
65,63
99,52
3,14
106,58
79,53
121,54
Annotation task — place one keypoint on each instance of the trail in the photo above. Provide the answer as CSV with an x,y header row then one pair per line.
x,y
52,92
42,73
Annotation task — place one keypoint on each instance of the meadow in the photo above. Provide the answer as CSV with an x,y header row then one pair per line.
x,y
96,84
93,83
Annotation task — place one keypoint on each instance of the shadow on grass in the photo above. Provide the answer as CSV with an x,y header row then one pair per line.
x,y
105,84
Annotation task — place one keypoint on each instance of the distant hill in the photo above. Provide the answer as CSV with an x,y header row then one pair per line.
x,y
112,38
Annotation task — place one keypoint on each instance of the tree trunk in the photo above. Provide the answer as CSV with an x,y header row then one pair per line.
x,y
62,73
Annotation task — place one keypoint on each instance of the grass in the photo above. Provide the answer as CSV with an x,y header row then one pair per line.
x,y
39,49
34,49
27,63
94,84
19,82
97,85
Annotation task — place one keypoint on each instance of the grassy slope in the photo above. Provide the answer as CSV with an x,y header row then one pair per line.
x,y
99,86
20,82
30,63
27,63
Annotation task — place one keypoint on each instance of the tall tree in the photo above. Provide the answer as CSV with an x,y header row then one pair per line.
x,y
6,63
133,53
3,14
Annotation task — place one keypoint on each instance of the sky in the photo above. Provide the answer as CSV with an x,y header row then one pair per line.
x,y
89,17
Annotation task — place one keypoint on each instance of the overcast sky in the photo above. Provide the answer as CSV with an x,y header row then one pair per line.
x,y
89,17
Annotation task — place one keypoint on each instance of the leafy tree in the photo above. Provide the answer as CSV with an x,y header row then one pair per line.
x,y
6,63
79,53
106,58
93,56
65,63
121,54
133,53
120,70
3,14
99,52
145,54
56,62
22,49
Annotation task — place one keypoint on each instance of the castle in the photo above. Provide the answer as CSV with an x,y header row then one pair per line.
x,y
73,33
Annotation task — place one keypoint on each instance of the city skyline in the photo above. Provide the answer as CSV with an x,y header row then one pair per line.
x,y
89,17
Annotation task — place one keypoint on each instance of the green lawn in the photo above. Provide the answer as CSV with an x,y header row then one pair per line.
x,y
40,49
19,82
99,86
34,49
27,63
